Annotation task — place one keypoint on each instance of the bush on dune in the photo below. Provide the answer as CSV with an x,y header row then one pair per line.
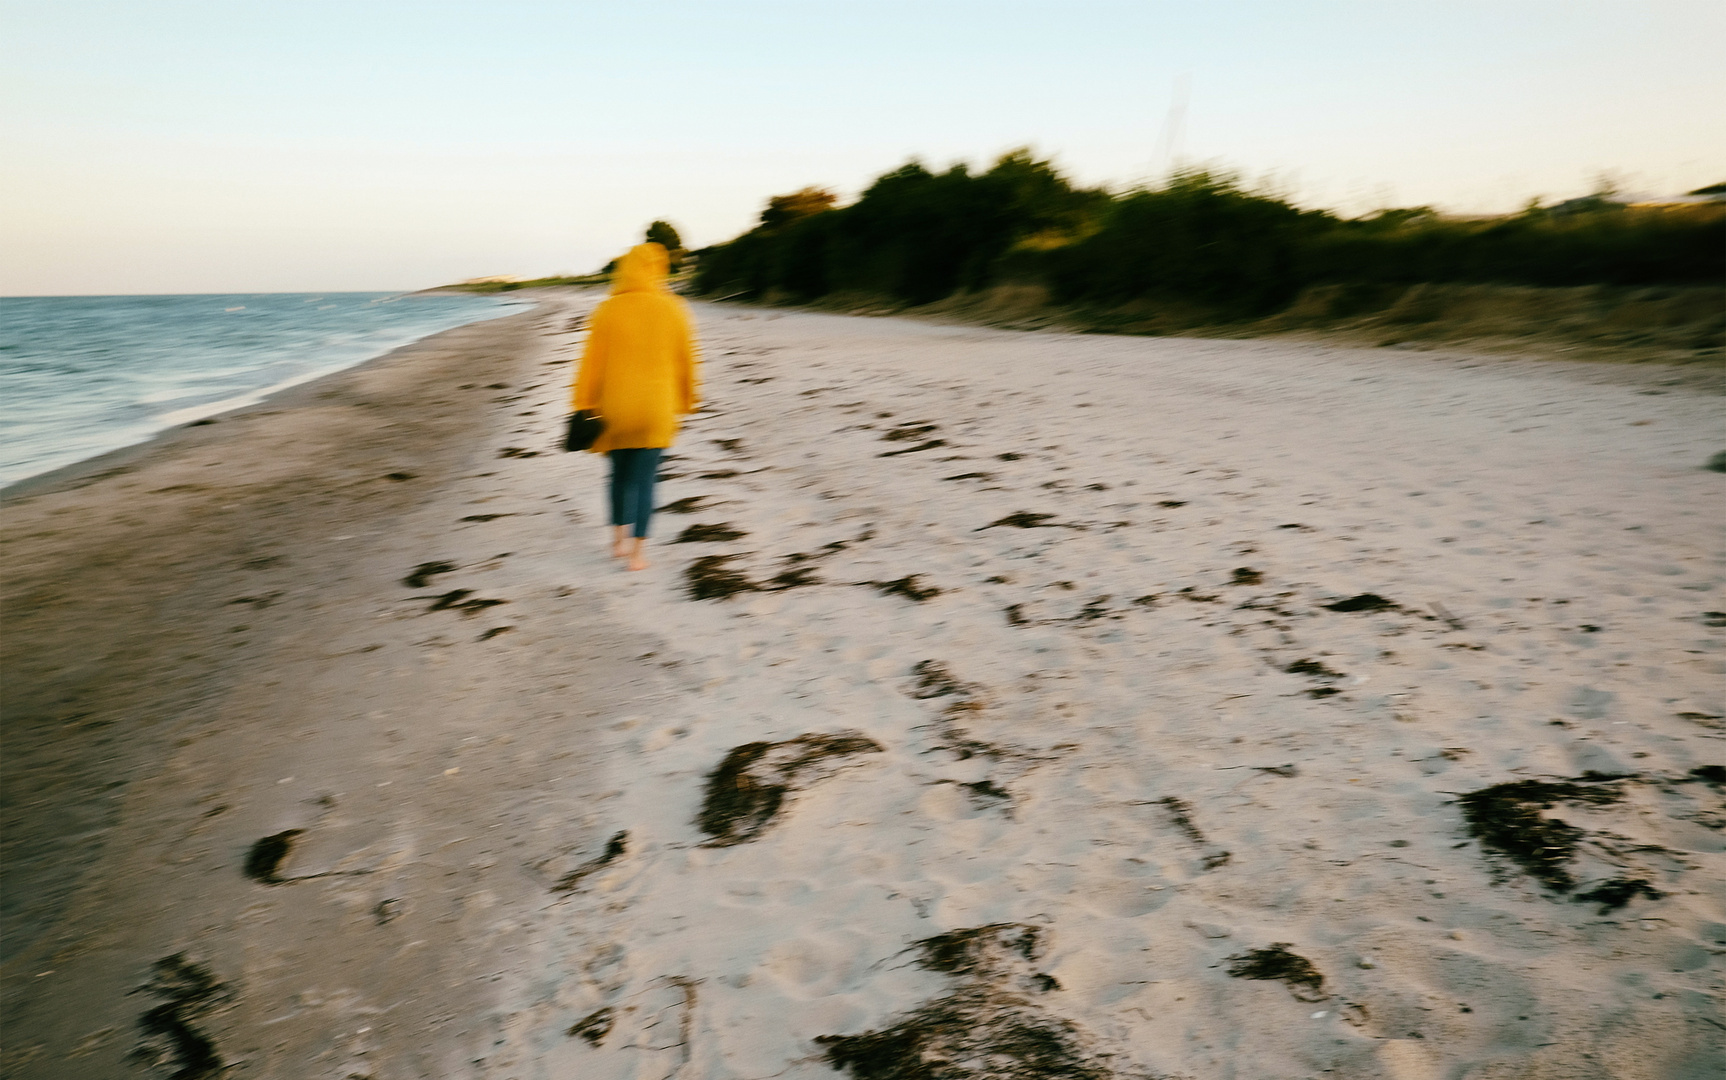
x,y
1200,239
1201,242
914,235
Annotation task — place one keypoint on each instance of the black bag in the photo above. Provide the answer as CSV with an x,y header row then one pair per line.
x,y
585,427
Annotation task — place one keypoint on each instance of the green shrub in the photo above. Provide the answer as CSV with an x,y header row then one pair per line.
x,y
1200,240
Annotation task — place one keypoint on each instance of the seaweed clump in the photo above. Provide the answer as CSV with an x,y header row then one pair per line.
x,y
793,578
907,432
423,573
919,448
1275,962
614,850
1024,519
977,950
187,990
710,578
908,588
962,1036
1710,774
1615,894
684,506
934,680
700,533
1315,668
1181,816
593,1027
457,600
745,792
1507,819
1366,601
264,860
986,1029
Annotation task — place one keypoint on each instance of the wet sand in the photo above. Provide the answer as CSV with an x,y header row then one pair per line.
x,y
209,643
1119,706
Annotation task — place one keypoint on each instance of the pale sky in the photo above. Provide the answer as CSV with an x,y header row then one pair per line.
x,y
156,146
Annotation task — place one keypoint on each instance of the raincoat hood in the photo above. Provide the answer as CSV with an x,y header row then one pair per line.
x,y
641,269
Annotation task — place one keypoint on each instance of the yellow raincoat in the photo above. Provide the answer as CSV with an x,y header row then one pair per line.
x,y
639,369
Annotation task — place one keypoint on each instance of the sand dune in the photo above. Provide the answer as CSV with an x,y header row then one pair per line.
x,y
1039,704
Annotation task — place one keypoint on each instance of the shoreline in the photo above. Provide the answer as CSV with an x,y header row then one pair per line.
x,y
178,689
119,456
1060,614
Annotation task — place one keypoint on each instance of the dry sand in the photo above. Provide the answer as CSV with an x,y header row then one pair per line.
x,y
1024,736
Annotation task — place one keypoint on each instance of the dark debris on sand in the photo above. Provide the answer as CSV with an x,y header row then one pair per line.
x,y
614,850
932,444
264,860
1312,668
1095,608
593,1027
977,950
1507,820
745,792
934,680
1024,519
1276,962
711,578
1615,894
1246,575
688,505
1180,814
424,572
987,1028
1710,774
987,793
701,533
1364,602
907,432
970,1034
457,600
908,588
187,991
793,578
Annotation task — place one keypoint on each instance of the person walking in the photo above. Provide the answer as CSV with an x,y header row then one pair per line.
x,y
639,372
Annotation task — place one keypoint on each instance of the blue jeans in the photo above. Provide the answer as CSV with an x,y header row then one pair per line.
x,y
633,472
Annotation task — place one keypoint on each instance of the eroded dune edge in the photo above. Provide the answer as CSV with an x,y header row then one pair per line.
x,y
1000,705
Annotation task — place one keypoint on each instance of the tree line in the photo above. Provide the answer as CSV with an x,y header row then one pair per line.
x,y
1201,239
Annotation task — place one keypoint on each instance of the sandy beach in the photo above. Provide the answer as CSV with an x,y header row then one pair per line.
x,y
1014,705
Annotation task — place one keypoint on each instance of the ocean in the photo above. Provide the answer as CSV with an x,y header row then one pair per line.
x,y
82,375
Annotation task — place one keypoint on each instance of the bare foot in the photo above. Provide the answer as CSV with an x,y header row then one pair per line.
x,y
619,542
638,555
